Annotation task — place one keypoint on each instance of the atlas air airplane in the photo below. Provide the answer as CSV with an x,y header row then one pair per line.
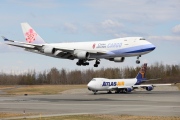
x,y
122,85
114,50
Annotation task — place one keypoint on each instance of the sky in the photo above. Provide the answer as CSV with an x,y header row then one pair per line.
x,y
89,20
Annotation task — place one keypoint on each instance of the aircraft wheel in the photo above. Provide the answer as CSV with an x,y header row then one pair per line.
x,y
137,61
97,62
121,91
87,63
116,92
95,65
95,91
78,64
109,92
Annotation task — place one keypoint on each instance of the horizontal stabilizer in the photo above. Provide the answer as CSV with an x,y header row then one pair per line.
x,y
150,79
154,85
5,39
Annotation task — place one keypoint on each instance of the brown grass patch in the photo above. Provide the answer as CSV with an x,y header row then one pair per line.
x,y
107,117
2,87
8,115
178,85
42,89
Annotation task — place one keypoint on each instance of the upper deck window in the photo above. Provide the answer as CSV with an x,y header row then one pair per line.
x,y
142,39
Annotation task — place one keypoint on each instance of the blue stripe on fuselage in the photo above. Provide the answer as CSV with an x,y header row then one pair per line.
x,y
142,50
136,49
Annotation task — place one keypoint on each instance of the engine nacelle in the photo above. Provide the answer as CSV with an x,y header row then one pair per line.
x,y
128,89
119,59
49,50
81,54
149,88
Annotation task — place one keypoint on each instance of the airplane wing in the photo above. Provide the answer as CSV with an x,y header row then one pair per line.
x,y
137,86
150,79
153,85
119,87
64,52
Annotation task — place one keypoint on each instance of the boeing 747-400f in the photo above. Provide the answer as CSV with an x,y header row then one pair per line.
x,y
122,85
114,50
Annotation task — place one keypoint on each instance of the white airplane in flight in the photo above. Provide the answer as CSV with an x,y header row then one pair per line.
x,y
122,85
114,50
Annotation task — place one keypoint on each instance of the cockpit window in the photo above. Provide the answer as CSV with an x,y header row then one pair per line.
x,y
93,80
142,39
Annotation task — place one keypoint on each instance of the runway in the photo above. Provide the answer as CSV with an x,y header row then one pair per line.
x,y
144,103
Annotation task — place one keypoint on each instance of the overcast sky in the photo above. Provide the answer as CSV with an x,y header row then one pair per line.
x,y
89,20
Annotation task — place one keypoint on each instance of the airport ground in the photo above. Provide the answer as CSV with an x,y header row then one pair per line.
x,y
77,103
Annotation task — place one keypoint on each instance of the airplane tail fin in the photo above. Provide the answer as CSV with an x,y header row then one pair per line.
x,y
31,35
141,76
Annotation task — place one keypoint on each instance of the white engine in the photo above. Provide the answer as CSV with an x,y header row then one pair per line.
x,y
119,59
49,50
81,54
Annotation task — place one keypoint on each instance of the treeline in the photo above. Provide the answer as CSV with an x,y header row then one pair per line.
x,y
54,76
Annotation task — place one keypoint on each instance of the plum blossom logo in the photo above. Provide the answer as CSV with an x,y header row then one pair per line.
x,y
30,36
93,45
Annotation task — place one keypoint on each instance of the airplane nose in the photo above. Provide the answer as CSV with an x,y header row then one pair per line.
x,y
90,86
153,47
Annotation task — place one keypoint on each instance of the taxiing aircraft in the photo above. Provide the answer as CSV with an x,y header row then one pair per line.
x,y
114,50
122,85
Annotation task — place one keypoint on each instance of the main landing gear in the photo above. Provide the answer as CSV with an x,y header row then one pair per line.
x,y
109,92
96,63
82,62
138,61
121,91
95,91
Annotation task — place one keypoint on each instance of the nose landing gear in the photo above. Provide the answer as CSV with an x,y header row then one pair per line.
x,y
97,63
95,91
138,61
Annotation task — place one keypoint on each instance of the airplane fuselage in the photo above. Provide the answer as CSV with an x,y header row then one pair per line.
x,y
103,84
121,47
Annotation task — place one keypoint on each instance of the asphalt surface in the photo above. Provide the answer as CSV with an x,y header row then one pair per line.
x,y
144,103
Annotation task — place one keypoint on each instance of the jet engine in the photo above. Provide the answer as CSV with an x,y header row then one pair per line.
x,y
49,50
149,88
127,90
81,54
119,59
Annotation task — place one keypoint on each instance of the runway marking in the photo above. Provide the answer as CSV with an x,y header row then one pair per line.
x,y
90,104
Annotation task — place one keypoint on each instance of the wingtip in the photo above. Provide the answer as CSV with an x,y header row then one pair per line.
x,y
5,39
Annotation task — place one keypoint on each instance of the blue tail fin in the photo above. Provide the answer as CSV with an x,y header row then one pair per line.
x,y
142,74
